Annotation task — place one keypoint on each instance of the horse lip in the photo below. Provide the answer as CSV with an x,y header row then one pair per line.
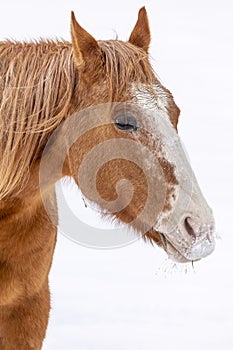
x,y
189,255
171,250
164,240
175,254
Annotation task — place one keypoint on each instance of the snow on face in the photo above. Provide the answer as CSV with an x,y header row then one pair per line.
x,y
151,97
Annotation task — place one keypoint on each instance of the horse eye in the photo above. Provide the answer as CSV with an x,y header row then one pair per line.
x,y
126,122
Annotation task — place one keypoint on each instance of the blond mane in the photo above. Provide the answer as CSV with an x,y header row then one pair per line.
x,y
37,83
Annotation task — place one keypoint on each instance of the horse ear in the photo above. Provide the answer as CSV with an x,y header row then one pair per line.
x,y
84,45
140,35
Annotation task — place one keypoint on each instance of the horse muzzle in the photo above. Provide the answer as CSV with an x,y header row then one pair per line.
x,y
191,241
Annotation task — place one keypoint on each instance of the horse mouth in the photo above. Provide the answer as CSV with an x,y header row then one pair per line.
x,y
171,250
189,242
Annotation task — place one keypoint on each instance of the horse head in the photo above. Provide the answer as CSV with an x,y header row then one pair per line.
x,y
126,155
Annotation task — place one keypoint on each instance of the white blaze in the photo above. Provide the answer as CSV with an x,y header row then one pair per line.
x,y
189,201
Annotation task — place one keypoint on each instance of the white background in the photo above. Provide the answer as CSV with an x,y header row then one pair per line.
x,y
132,298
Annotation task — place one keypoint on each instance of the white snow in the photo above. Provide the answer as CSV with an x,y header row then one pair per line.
x,y
131,298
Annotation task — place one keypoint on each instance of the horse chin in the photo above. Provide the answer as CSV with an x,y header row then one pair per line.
x,y
163,242
173,253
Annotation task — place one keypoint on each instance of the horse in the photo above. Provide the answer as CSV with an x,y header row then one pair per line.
x,y
43,85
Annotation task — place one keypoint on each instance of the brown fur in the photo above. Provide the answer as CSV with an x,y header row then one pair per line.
x,y
41,85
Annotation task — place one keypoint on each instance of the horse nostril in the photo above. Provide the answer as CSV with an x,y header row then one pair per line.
x,y
189,228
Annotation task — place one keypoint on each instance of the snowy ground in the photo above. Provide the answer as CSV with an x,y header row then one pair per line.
x,y
132,298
